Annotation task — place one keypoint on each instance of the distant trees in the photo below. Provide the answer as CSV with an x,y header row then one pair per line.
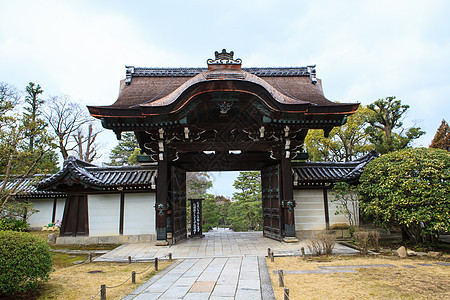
x,y
197,183
223,205
210,212
73,128
122,154
65,118
441,139
245,212
86,147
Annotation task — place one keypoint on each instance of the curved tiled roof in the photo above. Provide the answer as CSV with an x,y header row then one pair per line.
x,y
191,72
149,85
319,173
27,187
76,171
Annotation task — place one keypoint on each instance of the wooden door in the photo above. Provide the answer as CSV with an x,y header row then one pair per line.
x,y
75,217
178,204
271,202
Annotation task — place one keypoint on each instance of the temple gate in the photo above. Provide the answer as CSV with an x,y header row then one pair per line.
x,y
223,118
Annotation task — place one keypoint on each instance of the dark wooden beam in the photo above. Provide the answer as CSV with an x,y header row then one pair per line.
x,y
286,179
121,212
223,146
223,161
54,209
325,207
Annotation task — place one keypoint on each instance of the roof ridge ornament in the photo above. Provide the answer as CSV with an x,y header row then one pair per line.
x,y
312,73
224,58
129,74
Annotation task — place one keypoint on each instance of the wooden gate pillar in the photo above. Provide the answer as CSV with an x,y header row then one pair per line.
x,y
288,202
161,204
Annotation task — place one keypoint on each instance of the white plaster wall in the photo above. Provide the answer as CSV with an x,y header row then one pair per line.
x,y
44,216
139,214
60,204
103,214
339,218
309,211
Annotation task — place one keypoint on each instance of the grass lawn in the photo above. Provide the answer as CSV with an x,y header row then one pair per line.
x,y
422,282
83,281
69,281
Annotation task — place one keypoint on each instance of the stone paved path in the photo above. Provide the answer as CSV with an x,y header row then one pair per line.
x,y
217,243
222,265
210,278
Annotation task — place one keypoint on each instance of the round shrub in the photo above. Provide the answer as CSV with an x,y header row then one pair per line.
x,y
25,261
409,188
13,224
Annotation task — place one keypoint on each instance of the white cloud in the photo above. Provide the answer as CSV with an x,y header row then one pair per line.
x,y
364,50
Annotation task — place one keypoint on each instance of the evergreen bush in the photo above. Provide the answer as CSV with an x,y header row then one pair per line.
x,y
13,224
25,261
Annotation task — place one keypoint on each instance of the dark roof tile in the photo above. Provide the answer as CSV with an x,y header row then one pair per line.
x,y
27,187
100,178
313,173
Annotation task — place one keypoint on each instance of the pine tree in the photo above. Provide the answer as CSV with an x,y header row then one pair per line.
x,y
386,129
120,154
246,212
36,144
33,124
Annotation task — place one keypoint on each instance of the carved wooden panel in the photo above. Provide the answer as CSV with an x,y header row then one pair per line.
x,y
271,202
178,203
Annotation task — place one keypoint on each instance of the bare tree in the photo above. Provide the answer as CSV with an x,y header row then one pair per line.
x,y
9,97
66,118
86,146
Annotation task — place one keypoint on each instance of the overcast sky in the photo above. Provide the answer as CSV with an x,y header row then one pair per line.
x,y
364,50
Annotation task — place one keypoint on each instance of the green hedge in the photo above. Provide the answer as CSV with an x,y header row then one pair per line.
x,y
25,261
13,224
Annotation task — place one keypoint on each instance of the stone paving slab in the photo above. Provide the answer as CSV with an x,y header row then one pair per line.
x,y
180,283
202,287
224,290
443,264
